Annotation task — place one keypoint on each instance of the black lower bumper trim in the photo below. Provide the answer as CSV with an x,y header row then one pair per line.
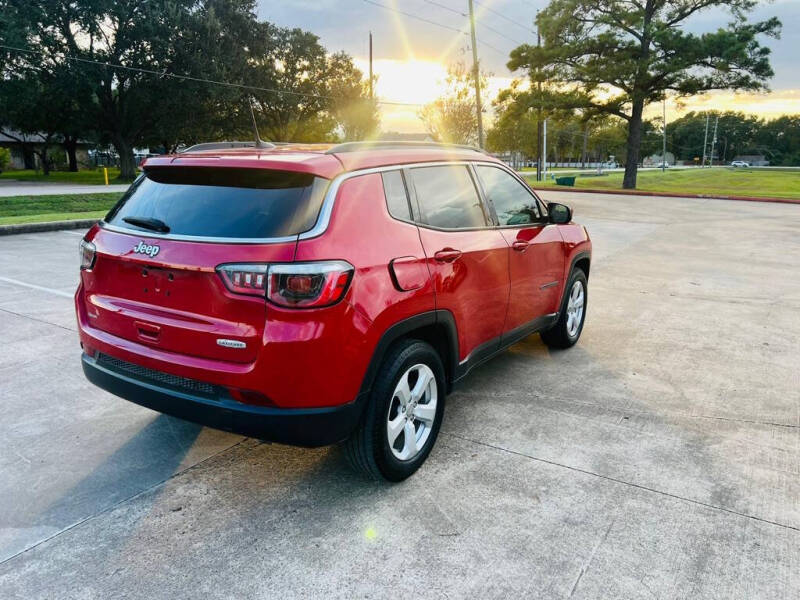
x,y
310,427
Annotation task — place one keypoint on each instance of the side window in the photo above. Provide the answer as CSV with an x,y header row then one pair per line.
x,y
512,201
447,197
396,197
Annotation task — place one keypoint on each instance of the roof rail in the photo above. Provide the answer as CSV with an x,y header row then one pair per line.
x,y
223,146
389,145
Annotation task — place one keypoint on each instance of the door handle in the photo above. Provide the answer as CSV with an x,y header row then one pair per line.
x,y
447,255
520,246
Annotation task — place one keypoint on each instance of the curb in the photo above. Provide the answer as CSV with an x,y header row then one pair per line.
x,y
49,226
666,195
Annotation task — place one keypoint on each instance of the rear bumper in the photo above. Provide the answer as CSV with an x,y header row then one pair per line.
x,y
309,427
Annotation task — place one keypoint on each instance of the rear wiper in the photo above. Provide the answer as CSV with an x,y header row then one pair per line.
x,y
148,223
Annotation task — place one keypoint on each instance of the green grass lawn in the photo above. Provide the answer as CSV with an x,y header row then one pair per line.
x,y
719,181
84,177
39,209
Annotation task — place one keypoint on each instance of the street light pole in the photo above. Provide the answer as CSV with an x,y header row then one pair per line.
x,y
476,73
714,141
539,126
664,147
370,66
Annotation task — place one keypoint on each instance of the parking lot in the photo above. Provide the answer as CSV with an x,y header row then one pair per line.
x,y
660,457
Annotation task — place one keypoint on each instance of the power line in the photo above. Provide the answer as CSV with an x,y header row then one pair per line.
x,y
500,33
482,24
435,23
452,10
196,79
413,16
502,16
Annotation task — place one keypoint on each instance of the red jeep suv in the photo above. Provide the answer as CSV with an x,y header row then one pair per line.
x,y
310,295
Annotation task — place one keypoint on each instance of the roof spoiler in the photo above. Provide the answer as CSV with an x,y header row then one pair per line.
x,y
388,145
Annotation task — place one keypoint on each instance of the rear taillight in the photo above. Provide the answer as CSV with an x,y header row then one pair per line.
x,y
245,278
88,253
295,285
306,285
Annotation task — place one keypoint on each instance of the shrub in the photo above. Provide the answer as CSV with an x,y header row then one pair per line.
x,y
5,158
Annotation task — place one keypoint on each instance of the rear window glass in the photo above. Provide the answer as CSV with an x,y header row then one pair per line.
x,y
221,202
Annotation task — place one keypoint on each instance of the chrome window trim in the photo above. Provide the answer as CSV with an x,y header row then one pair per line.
x,y
323,220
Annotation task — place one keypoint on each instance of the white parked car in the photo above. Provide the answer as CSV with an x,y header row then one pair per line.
x,y
740,163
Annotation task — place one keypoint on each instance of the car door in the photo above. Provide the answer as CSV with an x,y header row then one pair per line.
x,y
467,257
536,252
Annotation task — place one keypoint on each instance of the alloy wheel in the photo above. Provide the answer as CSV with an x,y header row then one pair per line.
x,y
575,304
412,412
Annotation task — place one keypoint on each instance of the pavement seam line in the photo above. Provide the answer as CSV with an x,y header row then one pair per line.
x,y
623,482
646,413
36,287
20,315
587,564
122,501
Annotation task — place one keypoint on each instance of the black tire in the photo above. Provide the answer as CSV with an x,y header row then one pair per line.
x,y
367,450
558,336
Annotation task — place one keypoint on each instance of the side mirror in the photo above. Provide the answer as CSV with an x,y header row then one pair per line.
x,y
559,213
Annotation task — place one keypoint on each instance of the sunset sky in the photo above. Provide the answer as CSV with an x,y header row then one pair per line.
x,y
411,56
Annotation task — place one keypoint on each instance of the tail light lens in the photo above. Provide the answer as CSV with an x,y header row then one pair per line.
x,y
87,252
307,285
246,278
295,285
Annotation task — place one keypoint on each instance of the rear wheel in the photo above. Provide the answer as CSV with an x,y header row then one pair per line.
x,y
569,326
401,422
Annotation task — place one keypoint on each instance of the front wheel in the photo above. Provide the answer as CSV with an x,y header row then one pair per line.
x,y
401,421
568,328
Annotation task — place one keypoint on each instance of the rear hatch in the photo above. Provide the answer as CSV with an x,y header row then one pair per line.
x,y
155,279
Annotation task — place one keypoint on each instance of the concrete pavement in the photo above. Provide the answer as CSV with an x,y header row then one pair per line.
x,y
13,187
657,458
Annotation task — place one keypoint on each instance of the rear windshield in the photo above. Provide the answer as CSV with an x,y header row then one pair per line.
x,y
221,202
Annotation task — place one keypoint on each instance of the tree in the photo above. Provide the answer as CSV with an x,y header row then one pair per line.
x,y
170,72
736,133
355,112
217,42
616,56
136,34
452,117
779,139
320,93
512,132
29,115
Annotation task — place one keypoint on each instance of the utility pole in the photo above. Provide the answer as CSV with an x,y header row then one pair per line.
x,y
476,73
370,66
714,140
705,144
585,146
539,161
664,150
544,150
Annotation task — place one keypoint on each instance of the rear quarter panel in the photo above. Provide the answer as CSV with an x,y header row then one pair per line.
x,y
362,232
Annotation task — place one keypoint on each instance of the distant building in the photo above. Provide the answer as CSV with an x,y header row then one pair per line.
x,y
394,136
754,160
22,155
655,160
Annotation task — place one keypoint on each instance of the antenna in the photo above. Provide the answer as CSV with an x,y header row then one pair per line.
x,y
259,142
